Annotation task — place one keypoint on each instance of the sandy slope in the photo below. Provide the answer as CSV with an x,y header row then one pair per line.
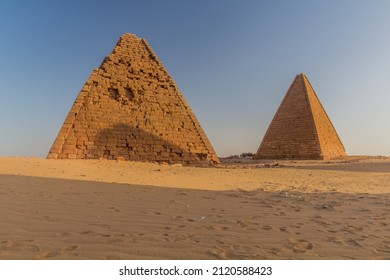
x,y
66,209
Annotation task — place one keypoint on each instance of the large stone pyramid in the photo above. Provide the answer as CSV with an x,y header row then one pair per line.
x,y
131,108
300,129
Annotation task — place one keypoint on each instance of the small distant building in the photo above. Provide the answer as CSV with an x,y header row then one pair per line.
x,y
246,155
300,129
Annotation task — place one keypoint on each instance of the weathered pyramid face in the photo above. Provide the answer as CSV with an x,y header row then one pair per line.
x,y
131,108
300,129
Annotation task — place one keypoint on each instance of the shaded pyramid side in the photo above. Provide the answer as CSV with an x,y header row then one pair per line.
x,y
131,108
329,140
300,128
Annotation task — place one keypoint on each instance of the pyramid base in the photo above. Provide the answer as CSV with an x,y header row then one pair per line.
x,y
290,157
299,157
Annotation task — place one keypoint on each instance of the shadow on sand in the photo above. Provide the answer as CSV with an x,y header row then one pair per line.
x,y
369,167
45,218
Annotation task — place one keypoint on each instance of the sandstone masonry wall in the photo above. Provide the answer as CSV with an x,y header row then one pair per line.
x,y
131,108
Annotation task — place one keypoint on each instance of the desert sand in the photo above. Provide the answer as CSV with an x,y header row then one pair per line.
x,y
99,209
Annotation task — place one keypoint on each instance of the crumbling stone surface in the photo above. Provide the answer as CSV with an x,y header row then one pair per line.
x,y
130,108
300,129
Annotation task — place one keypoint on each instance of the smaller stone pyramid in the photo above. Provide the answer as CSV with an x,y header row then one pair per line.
x,y
300,129
131,108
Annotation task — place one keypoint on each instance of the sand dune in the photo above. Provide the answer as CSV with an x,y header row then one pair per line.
x,y
65,209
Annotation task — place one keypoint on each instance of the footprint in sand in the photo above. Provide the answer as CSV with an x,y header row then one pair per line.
x,y
266,227
335,240
255,217
225,253
86,232
217,227
242,223
209,197
112,257
299,245
100,226
321,223
383,250
354,243
284,229
296,225
296,208
48,254
70,248
114,209
348,230
115,239
177,237
279,214
49,219
19,245
181,237
182,193
177,217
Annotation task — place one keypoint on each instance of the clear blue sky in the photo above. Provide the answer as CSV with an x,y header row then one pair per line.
x,y
233,61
